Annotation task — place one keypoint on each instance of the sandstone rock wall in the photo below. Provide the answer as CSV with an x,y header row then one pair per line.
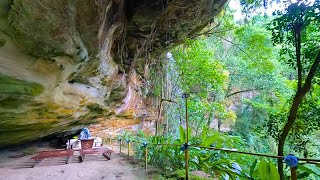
x,y
68,63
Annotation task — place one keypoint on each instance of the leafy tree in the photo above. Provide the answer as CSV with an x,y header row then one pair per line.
x,y
254,72
296,30
204,77
199,72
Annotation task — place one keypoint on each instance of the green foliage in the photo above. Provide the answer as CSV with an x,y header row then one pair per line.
x,y
198,71
238,77
265,171
206,79
216,163
255,69
309,171
295,31
298,18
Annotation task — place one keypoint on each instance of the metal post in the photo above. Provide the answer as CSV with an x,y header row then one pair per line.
x,y
120,146
293,174
113,134
128,150
187,124
146,158
186,152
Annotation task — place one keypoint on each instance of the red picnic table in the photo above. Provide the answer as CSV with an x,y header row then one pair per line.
x,y
86,148
54,153
104,151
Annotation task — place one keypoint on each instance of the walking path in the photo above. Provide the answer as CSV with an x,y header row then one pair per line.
x,y
94,167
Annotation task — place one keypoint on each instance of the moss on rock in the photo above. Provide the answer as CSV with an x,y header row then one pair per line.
x,y
2,42
10,85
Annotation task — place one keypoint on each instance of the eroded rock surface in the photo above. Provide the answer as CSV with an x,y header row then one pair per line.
x,y
68,63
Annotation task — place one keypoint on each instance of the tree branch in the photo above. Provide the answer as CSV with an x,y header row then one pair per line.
x,y
242,91
296,102
161,105
236,45
297,36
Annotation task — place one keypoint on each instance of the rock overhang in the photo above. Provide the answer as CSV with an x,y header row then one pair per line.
x,y
65,64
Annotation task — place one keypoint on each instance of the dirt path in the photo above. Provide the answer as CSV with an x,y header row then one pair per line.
x,y
94,167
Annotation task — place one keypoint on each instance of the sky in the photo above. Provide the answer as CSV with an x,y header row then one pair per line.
x,y
235,5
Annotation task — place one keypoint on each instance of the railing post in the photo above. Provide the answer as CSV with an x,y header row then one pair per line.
x,y
293,174
146,163
146,155
186,152
292,161
128,141
187,163
120,144
112,145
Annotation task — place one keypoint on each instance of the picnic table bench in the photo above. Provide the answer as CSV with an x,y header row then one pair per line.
x,y
104,151
54,153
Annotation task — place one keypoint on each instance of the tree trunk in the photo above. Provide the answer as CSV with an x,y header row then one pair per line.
x,y
210,119
300,94
157,129
219,124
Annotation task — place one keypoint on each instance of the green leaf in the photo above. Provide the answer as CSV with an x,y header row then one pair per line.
x,y
303,175
253,166
266,171
311,169
263,170
225,176
273,172
204,134
182,135
189,133
210,140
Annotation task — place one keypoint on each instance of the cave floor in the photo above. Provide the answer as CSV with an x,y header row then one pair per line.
x,y
94,167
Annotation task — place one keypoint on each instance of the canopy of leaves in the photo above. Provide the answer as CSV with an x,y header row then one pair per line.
x,y
199,72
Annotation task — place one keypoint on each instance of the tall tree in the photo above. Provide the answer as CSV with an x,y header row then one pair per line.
x,y
297,27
